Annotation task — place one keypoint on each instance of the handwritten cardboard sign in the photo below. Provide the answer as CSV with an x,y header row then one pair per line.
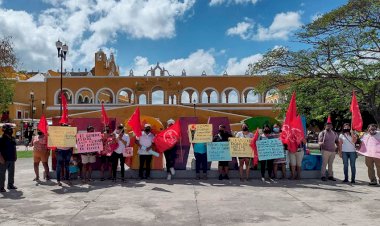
x,y
128,152
89,142
62,136
239,147
200,133
218,151
270,149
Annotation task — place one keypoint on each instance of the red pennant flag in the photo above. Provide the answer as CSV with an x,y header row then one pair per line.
x,y
43,125
134,122
254,147
166,139
105,119
357,121
329,119
65,111
286,129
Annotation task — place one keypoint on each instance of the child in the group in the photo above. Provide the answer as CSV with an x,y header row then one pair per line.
x,y
73,167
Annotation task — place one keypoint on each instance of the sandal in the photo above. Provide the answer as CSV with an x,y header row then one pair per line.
x,y
36,179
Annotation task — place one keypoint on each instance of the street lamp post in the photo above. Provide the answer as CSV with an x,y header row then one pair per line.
x,y
62,51
43,105
194,105
32,107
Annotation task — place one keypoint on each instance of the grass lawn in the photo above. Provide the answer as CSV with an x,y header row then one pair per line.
x,y
24,154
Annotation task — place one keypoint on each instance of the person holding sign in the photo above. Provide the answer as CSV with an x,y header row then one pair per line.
x,y
282,161
244,133
63,155
370,148
40,154
88,159
145,143
222,136
266,163
109,145
123,142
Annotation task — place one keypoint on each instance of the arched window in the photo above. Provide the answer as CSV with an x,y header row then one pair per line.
x,y
125,96
68,94
158,95
85,96
189,95
210,95
230,95
105,95
142,99
272,96
250,96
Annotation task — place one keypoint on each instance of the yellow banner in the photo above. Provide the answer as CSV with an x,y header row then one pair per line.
x,y
239,147
200,133
62,136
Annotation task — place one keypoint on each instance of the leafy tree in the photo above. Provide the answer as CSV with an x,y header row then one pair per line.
x,y
7,58
342,54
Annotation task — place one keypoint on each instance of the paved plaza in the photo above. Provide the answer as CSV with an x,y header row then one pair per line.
x,y
191,202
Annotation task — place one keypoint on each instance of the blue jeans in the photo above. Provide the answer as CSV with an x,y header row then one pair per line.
x,y
63,159
201,159
352,157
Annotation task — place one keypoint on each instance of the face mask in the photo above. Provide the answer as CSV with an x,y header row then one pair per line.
x,y
372,132
245,129
221,131
39,133
147,130
276,130
328,129
346,130
266,131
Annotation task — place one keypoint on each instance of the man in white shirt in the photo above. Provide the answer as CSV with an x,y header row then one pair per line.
x,y
145,143
123,142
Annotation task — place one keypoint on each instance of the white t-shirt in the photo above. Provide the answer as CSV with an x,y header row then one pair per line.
x,y
240,134
146,140
121,147
347,145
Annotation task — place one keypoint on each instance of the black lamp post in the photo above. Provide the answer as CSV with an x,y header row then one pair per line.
x,y
43,105
32,107
194,105
62,51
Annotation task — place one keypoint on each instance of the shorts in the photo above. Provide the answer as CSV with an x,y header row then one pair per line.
x,y
88,159
41,156
295,158
105,159
223,163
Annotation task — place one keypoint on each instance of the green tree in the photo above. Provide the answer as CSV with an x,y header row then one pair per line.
x,y
7,58
342,54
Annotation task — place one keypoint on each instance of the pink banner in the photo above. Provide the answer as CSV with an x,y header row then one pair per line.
x,y
370,146
89,142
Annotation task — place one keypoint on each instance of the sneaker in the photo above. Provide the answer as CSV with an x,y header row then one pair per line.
x,y
172,171
323,178
332,178
263,179
226,177
3,190
169,176
36,179
122,180
220,177
198,177
373,182
345,181
59,183
12,187
353,182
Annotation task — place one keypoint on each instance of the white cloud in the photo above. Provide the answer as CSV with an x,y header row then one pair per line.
x,y
239,67
316,16
281,28
86,26
242,29
228,2
194,64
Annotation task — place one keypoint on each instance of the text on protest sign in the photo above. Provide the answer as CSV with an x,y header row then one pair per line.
x,y
218,151
128,152
200,133
239,147
62,136
89,142
270,149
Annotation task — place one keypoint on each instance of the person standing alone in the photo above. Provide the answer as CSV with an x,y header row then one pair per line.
x,y
328,141
8,157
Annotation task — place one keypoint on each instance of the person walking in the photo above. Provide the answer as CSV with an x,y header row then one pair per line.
x,y
370,147
170,156
347,151
8,157
145,143
244,133
328,141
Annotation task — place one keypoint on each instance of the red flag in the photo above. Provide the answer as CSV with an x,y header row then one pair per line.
x,y
254,147
298,133
105,119
166,139
329,119
43,125
134,122
65,111
286,129
357,121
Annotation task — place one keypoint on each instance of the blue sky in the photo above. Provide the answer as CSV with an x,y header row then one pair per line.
x,y
196,35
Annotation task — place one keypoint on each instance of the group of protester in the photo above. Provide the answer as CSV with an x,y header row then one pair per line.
x,y
346,145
